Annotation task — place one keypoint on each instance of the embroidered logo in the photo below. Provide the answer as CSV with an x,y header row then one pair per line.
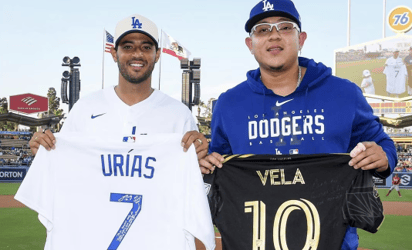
x,y
267,5
136,23
294,151
131,138
95,116
278,104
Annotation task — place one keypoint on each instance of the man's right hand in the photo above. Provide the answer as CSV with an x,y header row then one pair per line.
x,y
210,161
45,139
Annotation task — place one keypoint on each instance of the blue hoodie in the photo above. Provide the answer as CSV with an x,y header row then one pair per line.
x,y
325,114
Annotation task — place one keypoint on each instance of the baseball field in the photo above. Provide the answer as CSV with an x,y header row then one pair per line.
x,y
21,230
353,72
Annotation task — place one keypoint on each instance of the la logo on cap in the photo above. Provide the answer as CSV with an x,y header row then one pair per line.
x,y
136,23
267,5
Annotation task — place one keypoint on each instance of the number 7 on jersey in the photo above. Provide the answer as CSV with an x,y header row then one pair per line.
x,y
136,200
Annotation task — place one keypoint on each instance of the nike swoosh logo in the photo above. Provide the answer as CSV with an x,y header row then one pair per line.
x,y
278,104
95,116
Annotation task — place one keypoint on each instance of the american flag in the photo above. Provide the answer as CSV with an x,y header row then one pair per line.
x,y
109,42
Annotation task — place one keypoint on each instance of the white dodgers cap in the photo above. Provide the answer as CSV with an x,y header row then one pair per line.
x,y
136,23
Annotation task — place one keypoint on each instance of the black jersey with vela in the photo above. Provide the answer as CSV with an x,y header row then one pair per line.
x,y
265,202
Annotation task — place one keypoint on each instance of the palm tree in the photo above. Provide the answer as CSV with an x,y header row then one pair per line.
x,y
201,104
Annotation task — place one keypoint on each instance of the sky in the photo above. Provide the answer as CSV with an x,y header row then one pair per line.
x,y
36,35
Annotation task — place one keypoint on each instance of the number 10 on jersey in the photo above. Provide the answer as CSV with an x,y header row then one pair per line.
x,y
279,223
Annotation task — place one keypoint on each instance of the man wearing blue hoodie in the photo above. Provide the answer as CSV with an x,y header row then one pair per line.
x,y
293,105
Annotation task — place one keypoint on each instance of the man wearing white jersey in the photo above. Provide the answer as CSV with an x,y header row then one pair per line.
x,y
132,107
396,74
408,64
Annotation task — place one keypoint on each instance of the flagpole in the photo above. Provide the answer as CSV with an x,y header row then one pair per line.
x,y
160,61
104,35
384,20
348,32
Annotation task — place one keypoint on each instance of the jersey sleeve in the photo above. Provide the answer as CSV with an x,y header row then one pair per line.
x,y
366,127
197,221
364,83
212,192
386,70
190,124
36,190
363,207
69,124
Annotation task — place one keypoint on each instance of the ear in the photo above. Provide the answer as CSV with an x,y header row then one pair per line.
x,y
249,44
302,39
158,54
114,54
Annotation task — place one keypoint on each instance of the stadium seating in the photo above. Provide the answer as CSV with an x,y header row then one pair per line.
x,y
404,158
15,150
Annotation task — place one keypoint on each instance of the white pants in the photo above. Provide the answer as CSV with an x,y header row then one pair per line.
x,y
394,187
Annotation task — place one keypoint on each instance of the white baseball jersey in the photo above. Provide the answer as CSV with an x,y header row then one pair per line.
x,y
396,73
92,194
367,84
104,113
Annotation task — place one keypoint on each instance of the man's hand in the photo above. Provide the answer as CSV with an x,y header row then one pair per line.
x,y
45,139
369,155
199,140
208,164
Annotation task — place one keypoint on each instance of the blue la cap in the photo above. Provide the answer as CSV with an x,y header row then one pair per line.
x,y
267,8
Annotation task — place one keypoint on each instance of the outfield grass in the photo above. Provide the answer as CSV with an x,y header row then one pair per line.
x,y
406,195
9,188
395,233
21,230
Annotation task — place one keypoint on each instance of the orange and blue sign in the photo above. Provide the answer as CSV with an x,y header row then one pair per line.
x,y
400,19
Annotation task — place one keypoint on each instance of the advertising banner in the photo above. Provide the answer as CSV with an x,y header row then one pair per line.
x,y
12,174
406,179
29,103
379,182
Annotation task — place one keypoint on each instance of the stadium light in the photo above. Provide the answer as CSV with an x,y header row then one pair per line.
x,y
66,60
66,74
73,78
184,63
76,60
196,97
64,97
196,75
195,64
186,88
190,76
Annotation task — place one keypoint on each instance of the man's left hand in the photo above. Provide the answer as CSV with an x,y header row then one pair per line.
x,y
369,155
199,140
